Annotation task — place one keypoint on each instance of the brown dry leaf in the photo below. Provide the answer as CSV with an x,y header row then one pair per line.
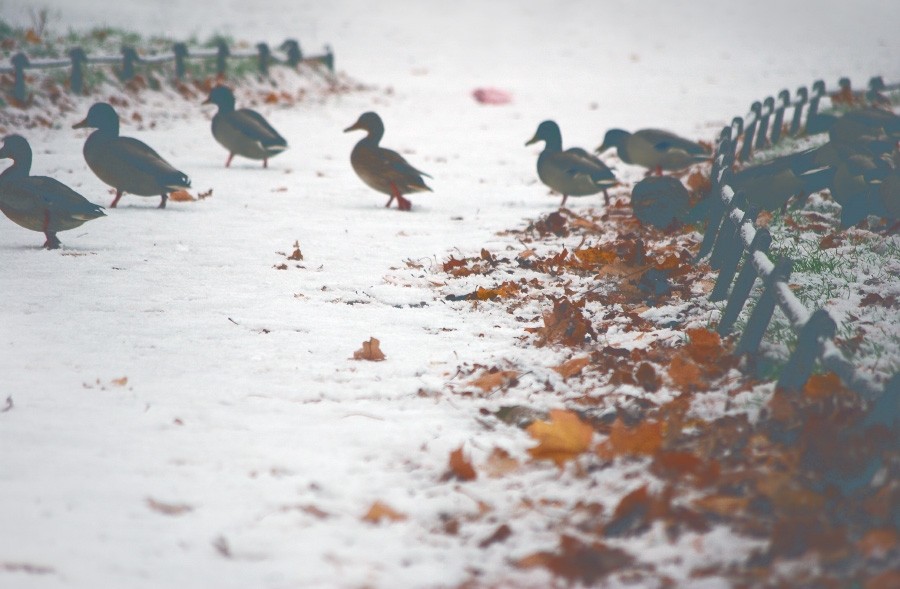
x,y
579,561
565,324
646,376
722,505
594,256
32,37
876,543
296,254
489,381
119,382
504,291
699,182
764,219
572,367
645,438
168,508
788,496
382,511
181,196
461,467
370,351
684,372
822,386
500,535
705,346
562,438
831,241
271,98
500,463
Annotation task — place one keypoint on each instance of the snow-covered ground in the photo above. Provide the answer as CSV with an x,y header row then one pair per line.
x,y
242,412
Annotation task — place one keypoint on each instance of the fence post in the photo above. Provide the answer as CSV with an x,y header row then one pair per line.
x,y
762,312
726,233
20,62
750,132
222,57
769,108
180,51
713,218
737,125
731,257
799,366
744,283
813,111
785,97
802,99
292,48
328,59
265,56
129,57
76,80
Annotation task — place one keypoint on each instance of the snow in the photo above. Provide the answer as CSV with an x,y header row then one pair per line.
x,y
241,401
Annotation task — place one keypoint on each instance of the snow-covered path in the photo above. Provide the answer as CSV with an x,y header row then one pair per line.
x,y
241,402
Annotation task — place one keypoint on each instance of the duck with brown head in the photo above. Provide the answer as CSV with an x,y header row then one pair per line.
x,y
383,169
243,131
126,164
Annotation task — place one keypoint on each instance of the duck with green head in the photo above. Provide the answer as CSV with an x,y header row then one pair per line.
x,y
126,164
39,203
243,131
573,172
383,169
654,149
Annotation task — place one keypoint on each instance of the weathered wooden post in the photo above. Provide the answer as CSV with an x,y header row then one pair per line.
x,y
785,100
20,62
724,241
76,80
768,109
265,56
799,366
181,52
802,99
731,257
222,54
762,312
292,48
750,132
744,283
129,58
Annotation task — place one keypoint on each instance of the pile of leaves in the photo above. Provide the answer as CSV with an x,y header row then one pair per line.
x,y
806,481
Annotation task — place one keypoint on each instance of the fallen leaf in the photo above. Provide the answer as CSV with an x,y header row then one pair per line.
x,y
500,535
722,505
705,346
382,511
370,351
579,561
562,438
491,380
572,367
296,254
119,382
168,508
503,291
644,438
565,324
499,463
181,196
594,256
685,373
831,241
460,467
646,376
878,542
823,386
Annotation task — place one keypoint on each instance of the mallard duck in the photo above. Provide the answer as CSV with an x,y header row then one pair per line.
x,y
243,132
383,169
126,164
39,203
573,172
654,149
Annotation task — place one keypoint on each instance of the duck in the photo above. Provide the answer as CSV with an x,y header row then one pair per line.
x,y
573,172
654,149
126,164
39,203
383,169
243,132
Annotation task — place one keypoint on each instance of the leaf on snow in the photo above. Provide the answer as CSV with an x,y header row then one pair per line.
x,y
181,196
500,463
382,511
562,438
494,378
579,561
460,467
168,508
370,351
645,438
572,367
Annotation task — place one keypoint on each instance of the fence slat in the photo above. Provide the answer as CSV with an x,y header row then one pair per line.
x,y
799,366
744,283
762,312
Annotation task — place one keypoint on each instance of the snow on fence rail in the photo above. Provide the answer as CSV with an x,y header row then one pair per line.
x,y
129,58
731,235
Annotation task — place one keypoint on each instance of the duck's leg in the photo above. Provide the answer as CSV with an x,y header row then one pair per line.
x,y
402,203
116,200
605,197
659,170
390,200
563,203
52,242
228,161
265,162
162,203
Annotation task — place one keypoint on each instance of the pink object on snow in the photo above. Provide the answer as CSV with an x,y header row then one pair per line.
x,y
492,96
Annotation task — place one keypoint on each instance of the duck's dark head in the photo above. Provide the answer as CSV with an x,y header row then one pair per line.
x,y
16,148
613,138
548,132
221,96
368,121
100,116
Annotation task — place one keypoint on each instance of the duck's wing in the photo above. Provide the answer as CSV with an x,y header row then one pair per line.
x,y
665,141
398,163
58,197
253,124
140,156
578,162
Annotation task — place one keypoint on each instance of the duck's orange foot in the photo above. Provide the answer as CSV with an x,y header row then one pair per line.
x,y
403,204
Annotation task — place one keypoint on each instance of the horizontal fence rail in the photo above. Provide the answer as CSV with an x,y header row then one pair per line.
x,y
130,59
731,236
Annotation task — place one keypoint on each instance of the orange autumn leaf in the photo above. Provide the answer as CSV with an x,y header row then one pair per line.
x,y
370,351
705,346
565,324
181,196
645,438
684,372
594,256
489,381
878,542
562,438
119,382
461,467
699,182
722,505
578,561
822,386
504,291
572,367
168,508
382,511
271,98
500,463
